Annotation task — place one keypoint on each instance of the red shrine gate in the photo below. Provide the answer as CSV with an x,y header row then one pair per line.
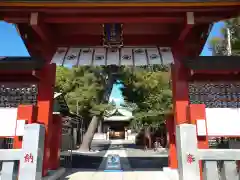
x,y
130,31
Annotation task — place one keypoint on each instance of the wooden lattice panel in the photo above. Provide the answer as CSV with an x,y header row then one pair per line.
x,y
14,94
100,56
215,94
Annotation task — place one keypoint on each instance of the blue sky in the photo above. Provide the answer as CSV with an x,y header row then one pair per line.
x,y
116,94
12,45
216,32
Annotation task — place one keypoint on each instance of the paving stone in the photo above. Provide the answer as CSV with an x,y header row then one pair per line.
x,y
136,165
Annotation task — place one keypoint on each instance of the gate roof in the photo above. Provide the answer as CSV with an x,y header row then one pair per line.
x,y
45,25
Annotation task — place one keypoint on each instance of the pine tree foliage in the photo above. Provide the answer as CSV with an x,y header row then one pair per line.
x,y
219,45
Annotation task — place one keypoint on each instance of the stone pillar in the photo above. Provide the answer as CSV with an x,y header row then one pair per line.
x,y
210,170
126,134
33,148
229,171
107,135
187,152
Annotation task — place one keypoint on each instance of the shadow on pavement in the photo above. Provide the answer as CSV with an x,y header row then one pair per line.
x,y
100,147
92,162
132,146
89,161
146,163
136,160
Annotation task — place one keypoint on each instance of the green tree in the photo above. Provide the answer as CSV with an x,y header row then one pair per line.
x,y
85,86
219,45
148,88
234,26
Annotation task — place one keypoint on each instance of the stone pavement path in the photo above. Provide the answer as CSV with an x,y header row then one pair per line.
x,y
135,165
135,175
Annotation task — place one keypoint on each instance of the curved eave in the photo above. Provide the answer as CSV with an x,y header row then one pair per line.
x,y
117,118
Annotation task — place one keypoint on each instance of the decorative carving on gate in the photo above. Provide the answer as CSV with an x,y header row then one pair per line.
x,y
215,94
154,56
126,57
14,94
71,57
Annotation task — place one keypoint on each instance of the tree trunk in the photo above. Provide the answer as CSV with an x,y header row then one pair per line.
x,y
148,136
100,126
88,136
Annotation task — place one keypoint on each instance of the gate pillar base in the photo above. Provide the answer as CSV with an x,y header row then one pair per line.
x,y
172,158
56,142
55,175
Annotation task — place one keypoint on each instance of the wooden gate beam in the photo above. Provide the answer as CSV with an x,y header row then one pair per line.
x,y
40,28
188,26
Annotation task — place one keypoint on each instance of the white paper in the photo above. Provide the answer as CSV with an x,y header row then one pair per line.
x,y
8,118
201,127
20,127
223,121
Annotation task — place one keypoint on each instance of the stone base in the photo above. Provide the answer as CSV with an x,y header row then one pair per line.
x,y
55,174
172,174
100,136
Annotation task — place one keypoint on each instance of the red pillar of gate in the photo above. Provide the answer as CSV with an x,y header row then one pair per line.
x,y
45,109
179,75
27,113
172,163
56,142
179,85
197,112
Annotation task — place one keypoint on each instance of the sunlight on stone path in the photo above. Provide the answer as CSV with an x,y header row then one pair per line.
x,y
116,147
134,175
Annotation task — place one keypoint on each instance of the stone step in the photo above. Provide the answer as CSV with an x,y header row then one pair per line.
x,y
172,174
124,175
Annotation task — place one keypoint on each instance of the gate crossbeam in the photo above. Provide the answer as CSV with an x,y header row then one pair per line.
x,y
10,154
